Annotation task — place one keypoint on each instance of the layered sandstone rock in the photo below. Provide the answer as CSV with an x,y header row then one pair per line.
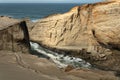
x,y
13,35
86,26
90,28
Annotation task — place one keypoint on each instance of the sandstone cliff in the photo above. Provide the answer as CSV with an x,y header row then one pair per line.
x,y
13,35
90,28
83,26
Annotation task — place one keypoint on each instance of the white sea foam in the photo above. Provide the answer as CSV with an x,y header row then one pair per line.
x,y
60,60
34,20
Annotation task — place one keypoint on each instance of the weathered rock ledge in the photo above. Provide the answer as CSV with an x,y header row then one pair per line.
x,y
18,66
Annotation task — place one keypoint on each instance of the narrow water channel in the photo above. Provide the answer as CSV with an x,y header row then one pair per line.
x,y
59,59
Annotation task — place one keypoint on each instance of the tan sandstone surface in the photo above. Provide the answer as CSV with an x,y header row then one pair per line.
x,y
19,66
83,26
90,29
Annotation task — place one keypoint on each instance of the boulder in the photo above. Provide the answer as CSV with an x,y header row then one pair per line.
x,y
13,35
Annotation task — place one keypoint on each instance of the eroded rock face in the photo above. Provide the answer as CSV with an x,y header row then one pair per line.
x,y
13,35
86,26
91,28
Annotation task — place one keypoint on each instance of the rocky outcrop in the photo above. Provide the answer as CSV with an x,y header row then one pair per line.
x,y
83,26
92,29
13,35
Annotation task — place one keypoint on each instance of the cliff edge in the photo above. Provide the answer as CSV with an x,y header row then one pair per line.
x,y
82,26
92,29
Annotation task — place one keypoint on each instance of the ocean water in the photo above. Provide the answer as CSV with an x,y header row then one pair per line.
x,y
34,11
